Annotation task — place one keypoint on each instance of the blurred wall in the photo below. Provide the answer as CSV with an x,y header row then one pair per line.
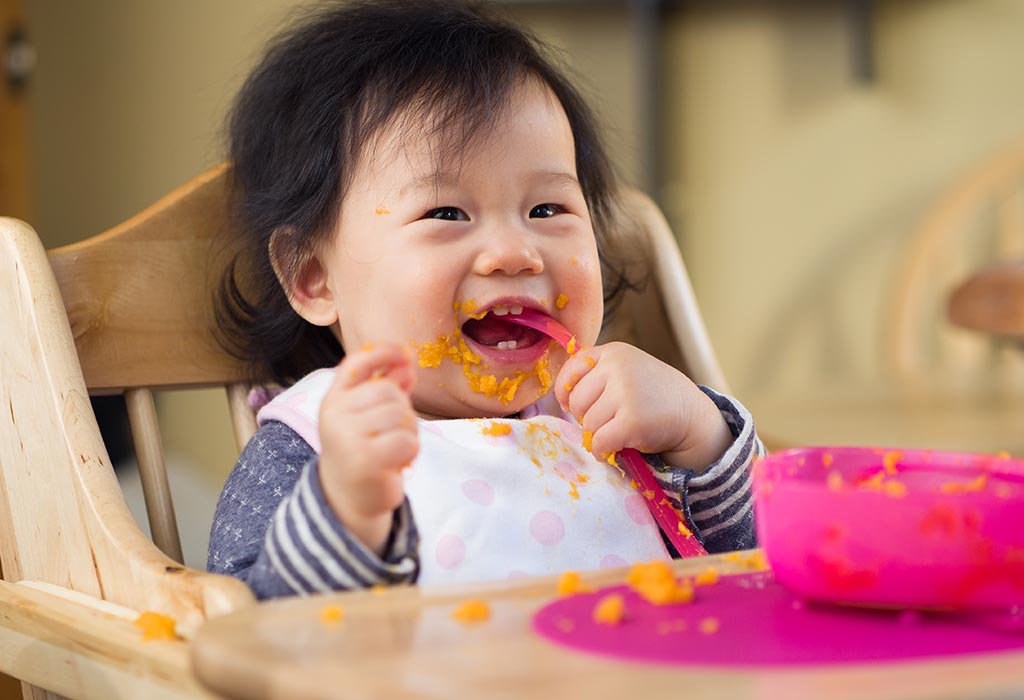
x,y
791,185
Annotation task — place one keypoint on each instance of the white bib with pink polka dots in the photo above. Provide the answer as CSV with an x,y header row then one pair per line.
x,y
504,497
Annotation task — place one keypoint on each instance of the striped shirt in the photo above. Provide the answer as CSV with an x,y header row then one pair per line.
x,y
274,529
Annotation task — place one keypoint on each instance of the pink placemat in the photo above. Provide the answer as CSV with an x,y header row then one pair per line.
x,y
750,620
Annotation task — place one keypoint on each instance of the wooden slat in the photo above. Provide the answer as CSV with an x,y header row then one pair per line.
x,y
138,296
156,490
242,419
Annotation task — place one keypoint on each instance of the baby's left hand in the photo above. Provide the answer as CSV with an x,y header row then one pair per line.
x,y
628,398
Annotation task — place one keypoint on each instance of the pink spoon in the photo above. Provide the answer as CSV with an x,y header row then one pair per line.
x,y
669,520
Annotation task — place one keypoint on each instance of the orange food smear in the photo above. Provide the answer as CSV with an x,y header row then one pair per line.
x,y
381,210
155,626
609,610
496,429
332,614
561,301
889,460
834,481
827,459
683,530
472,611
588,440
709,625
977,484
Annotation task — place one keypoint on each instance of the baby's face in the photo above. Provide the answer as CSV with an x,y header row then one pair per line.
x,y
437,260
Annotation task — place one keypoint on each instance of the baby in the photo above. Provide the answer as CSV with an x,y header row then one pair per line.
x,y
409,176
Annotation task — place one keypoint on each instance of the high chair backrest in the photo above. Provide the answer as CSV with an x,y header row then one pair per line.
x,y
129,311
122,311
977,220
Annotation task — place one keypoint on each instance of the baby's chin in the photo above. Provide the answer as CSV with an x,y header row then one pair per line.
x,y
467,403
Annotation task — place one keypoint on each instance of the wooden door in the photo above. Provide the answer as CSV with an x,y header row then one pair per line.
x,y
16,60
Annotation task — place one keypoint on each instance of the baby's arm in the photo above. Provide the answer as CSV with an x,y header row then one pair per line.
x,y
627,398
274,530
368,433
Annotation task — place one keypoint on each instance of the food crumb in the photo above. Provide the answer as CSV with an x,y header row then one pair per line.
x,y
332,614
472,611
155,626
709,625
570,583
496,429
707,577
610,610
561,301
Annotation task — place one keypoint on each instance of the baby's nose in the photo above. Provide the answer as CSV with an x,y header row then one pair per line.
x,y
509,254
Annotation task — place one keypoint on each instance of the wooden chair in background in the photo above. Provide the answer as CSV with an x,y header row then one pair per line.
x,y
977,221
127,311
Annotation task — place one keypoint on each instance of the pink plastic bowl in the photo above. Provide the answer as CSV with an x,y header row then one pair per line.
x,y
886,527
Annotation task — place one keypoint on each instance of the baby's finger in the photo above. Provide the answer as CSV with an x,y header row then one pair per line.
x,y
585,393
381,360
609,438
393,449
570,375
384,418
363,397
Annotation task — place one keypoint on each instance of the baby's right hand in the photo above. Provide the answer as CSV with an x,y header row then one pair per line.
x,y
368,433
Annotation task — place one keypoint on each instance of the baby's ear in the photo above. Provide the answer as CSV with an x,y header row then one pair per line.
x,y
304,279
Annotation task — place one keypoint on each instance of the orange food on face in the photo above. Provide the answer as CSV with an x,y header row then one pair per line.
x,y
472,611
610,610
561,301
155,626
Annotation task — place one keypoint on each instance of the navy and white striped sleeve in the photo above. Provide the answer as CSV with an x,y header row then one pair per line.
x,y
718,503
298,546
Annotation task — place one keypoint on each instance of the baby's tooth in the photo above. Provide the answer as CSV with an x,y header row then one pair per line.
x,y
500,310
516,310
512,345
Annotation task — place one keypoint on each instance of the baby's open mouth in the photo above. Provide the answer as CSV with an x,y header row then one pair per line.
x,y
494,331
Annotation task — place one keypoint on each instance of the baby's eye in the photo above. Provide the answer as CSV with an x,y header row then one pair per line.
x,y
545,211
447,214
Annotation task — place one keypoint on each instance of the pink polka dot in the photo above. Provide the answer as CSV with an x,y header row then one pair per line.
x,y
637,509
478,491
431,428
566,470
612,561
547,528
450,551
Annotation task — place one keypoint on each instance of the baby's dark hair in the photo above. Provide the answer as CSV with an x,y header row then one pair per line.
x,y
322,92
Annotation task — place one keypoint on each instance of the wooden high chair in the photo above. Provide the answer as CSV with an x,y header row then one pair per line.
x,y
977,220
127,311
